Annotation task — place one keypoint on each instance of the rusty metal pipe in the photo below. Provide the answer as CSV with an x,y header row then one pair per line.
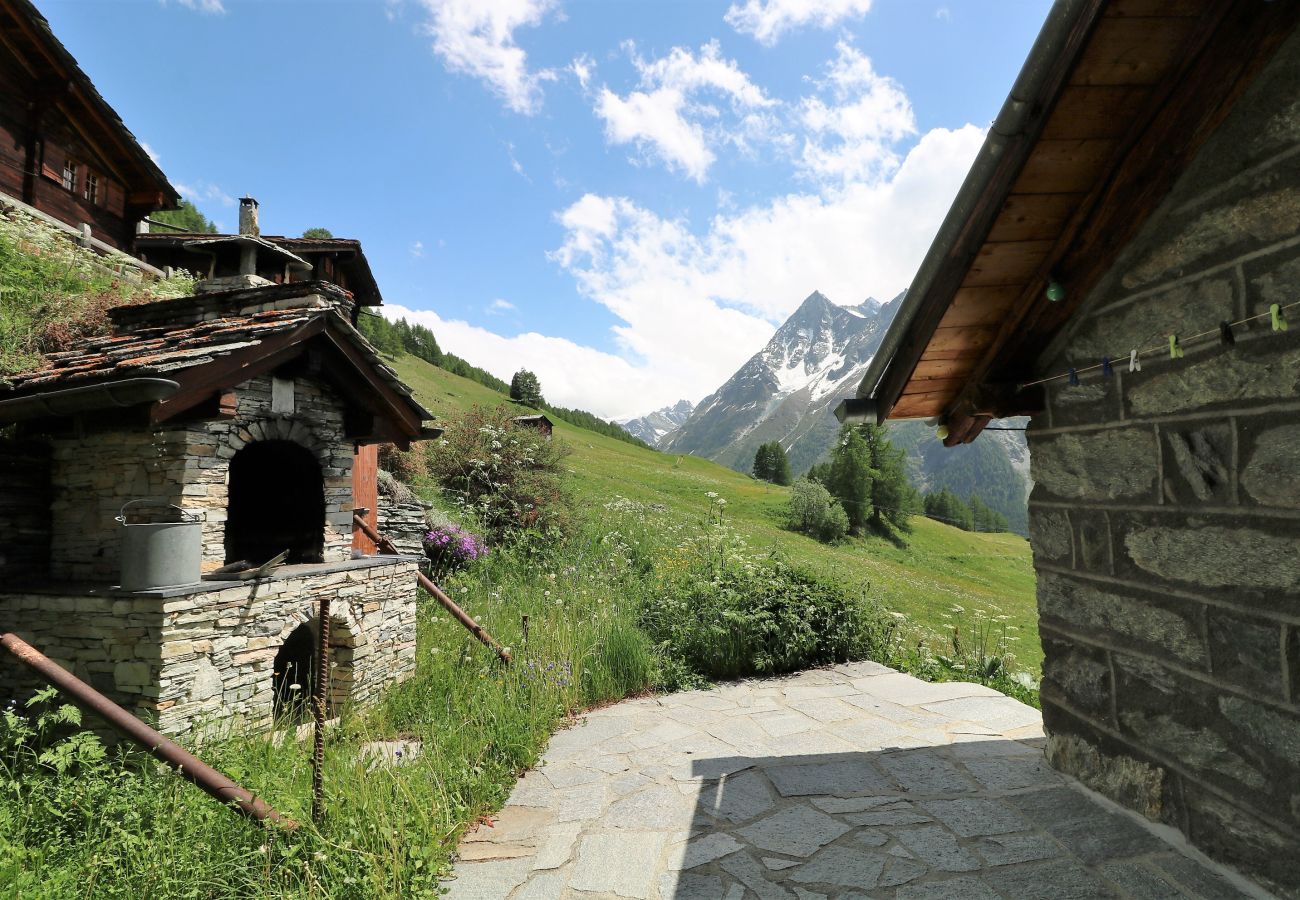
x,y
187,765
463,617
426,582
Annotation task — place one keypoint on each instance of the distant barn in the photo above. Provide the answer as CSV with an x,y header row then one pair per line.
x,y
538,421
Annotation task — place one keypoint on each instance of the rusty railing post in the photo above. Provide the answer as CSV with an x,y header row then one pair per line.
x,y
321,693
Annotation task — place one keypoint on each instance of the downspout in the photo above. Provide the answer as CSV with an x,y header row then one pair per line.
x,y
1008,126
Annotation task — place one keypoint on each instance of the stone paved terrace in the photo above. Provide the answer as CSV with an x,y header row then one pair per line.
x,y
851,782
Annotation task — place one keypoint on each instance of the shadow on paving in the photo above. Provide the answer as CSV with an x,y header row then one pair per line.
x,y
971,820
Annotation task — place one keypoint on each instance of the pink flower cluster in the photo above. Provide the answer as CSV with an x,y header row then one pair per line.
x,y
452,547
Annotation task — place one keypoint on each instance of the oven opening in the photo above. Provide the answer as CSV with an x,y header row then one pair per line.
x,y
276,503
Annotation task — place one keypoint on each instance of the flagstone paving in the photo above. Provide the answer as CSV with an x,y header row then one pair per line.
x,y
852,782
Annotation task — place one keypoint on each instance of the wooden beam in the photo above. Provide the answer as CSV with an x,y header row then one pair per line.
x,y
202,381
395,406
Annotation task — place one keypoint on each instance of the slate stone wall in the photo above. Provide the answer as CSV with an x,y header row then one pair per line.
x,y
204,658
98,470
1165,521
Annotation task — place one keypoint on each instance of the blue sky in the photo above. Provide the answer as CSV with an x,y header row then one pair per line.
x,y
626,196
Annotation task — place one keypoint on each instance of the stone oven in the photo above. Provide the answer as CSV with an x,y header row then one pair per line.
x,y
246,408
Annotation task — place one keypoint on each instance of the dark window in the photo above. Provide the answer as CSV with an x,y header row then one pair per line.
x,y
276,502
69,175
293,678
92,187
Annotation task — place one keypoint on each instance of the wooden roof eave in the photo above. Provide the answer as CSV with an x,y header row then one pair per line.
x,y
1193,95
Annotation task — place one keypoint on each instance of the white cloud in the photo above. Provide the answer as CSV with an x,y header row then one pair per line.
x,y
943,14
693,307
767,20
476,37
204,192
514,161
207,7
852,138
417,249
149,151
667,119
570,374
582,68
499,306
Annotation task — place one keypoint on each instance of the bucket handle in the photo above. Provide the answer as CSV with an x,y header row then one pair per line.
x,y
186,515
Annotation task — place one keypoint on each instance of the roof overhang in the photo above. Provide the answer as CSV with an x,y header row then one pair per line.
x,y
1110,108
61,82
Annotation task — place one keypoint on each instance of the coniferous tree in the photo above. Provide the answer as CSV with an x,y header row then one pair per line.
x,y
185,218
771,463
526,389
850,477
892,496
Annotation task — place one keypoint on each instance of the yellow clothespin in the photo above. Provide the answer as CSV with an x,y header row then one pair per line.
x,y
1175,348
1276,317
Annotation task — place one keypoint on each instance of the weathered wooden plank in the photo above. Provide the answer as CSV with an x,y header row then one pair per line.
x,y
928,369
1095,111
1133,49
1159,8
1033,217
962,340
1011,263
1064,167
979,306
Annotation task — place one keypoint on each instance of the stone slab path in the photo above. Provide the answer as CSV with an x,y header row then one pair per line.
x,y
850,782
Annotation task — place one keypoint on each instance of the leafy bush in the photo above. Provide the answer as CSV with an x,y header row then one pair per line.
x,y
763,619
407,466
508,477
815,512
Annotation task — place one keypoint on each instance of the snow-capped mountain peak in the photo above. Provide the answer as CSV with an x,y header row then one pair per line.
x,y
654,427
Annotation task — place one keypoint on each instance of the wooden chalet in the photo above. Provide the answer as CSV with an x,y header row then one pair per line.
x,y
1119,265
63,150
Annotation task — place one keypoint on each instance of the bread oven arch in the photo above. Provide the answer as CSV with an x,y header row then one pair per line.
x,y
296,664
275,494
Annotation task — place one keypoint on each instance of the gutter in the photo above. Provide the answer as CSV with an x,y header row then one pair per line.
x,y
1008,127
70,401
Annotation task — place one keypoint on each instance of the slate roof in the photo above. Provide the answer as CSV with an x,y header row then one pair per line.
x,y
162,349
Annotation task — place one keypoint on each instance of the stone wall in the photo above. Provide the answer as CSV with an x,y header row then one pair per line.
x,y
98,470
181,659
1165,521
24,509
405,524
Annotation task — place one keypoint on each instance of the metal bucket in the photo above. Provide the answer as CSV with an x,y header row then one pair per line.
x,y
158,554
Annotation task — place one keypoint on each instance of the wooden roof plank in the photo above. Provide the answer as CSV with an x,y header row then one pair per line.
x,y
979,306
1094,111
1133,49
1033,217
1064,167
1009,263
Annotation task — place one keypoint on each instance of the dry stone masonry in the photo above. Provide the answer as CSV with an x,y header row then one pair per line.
x,y
1166,518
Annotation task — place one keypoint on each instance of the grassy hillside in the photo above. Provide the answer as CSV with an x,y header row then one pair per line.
x,y
940,567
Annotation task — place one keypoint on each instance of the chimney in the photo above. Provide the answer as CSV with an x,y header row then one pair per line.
x,y
248,216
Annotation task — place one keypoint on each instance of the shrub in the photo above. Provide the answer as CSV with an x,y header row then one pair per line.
x,y
451,548
762,619
510,478
407,466
815,512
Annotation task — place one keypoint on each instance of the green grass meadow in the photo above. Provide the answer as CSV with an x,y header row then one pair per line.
x,y
570,608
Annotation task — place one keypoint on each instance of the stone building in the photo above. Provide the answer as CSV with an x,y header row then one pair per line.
x,y
249,409
1140,191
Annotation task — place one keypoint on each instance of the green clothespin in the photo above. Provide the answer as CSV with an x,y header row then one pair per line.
x,y
1175,348
1276,317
